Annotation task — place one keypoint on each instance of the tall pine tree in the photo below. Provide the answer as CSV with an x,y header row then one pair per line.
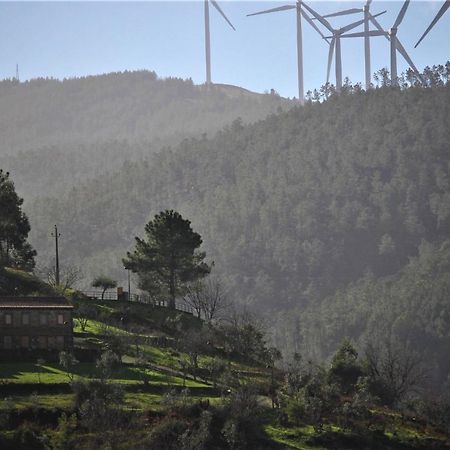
x,y
168,258
15,251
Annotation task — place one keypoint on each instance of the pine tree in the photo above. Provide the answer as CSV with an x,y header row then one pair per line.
x,y
15,251
167,259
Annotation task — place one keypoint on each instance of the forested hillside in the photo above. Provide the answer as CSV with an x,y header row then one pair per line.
x,y
331,217
54,134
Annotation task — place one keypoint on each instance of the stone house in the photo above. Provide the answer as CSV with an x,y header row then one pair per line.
x,y
28,323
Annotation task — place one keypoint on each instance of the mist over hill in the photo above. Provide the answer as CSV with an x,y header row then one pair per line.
x,y
55,134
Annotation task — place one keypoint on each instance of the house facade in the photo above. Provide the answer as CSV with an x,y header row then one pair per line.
x,y
28,323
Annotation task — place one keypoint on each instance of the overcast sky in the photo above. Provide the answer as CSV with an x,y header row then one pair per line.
x,y
67,39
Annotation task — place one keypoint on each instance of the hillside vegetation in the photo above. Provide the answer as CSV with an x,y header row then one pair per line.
x,y
55,133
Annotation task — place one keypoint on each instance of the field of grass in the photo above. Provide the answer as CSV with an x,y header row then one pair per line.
x,y
133,400
30,373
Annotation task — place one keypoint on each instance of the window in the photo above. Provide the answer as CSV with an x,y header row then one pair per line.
x,y
25,319
60,319
42,341
51,342
7,342
8,319
60,342
25,341
43,319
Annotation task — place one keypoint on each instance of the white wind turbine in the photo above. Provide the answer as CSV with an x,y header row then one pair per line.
x,y
395,44
208,37
336,42
300,13
366,11
440,13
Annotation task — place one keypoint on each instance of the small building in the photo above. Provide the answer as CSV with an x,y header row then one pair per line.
x,y
28,323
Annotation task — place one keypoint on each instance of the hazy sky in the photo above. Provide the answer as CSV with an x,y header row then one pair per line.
x,y
67,39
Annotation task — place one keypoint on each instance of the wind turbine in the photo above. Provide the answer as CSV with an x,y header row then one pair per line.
x,y
366,11
441,12
300,14
395,44
336,42
208,37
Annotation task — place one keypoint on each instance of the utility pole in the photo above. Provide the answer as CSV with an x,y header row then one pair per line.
x,y
129,286
17,72
56,235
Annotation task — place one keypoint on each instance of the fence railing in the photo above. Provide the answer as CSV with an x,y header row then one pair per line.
x,y
180,305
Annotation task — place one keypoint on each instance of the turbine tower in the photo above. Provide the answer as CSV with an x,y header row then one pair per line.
x,y
393,36
336,41
367,67
441,12
299,14
208,37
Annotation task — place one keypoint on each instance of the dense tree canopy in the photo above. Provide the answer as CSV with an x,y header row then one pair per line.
x,y
168,257
15,251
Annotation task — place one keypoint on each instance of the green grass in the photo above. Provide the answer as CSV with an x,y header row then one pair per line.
x,y
53,401
133,400
30,373
292,438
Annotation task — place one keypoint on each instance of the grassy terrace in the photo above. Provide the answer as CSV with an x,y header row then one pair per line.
x,y
29,373
133,400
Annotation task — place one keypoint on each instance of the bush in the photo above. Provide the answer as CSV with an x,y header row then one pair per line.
x,y
166,435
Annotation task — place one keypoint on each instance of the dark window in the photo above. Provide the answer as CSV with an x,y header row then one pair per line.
x,y
60,342
8,319
51,341
25,341
7,342
25,319
60,319
43,319
42,341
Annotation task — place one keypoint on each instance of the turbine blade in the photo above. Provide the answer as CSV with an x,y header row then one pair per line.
x,y
378,26
356,24
215,4
267,11
309,20
405,55
330,57
351,26
368,2
401,14
441,12
344,13
323,21
364,34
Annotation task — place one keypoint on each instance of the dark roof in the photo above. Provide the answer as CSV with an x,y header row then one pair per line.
x,y
34,302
